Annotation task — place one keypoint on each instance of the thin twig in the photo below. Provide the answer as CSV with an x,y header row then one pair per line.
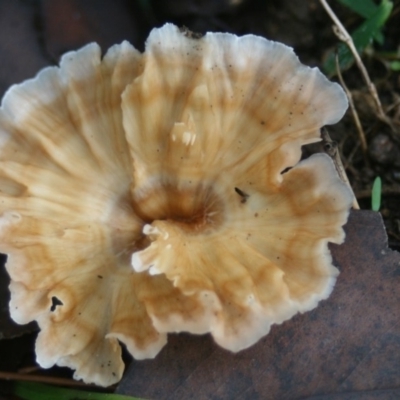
x,y
345,37
391,191
354,112
395,104
12,376
29,370
331,148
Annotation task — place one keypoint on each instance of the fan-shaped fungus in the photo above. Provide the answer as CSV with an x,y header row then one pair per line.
x,y
172,162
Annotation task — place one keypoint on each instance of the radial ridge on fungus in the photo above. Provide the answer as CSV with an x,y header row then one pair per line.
x,y
145,193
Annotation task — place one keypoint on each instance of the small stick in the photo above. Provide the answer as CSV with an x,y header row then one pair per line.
x,y
344,36
391,191
331,148
28,370
12,376
353,109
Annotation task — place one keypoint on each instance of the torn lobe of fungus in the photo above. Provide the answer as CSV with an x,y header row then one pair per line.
x,y
145,192
55,302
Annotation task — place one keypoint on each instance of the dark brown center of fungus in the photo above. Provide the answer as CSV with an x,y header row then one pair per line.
x,y
195,208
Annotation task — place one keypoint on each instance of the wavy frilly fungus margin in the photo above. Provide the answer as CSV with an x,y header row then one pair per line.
x,y
163,192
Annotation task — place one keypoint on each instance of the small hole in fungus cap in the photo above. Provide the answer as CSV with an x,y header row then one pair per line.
x,y
287,169
54,303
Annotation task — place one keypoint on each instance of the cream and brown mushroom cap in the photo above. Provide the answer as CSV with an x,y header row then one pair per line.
x,y
221,120
171,161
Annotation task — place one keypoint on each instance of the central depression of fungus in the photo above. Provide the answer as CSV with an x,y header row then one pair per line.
x,y
142,194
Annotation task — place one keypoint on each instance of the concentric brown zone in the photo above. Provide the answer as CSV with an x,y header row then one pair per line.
x,y
262,97
255,89
195,208
247,117
162,299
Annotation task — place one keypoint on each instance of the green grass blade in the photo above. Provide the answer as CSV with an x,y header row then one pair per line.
x,y
365,8
38,391
395,65
376,194
379,38
362,37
